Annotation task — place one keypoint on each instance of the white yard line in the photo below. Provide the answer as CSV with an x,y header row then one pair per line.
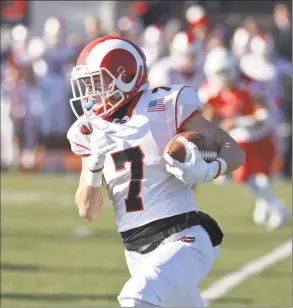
x,y
218,289
25,197
22,198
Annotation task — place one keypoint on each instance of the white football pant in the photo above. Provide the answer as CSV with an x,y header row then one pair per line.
x,y
169,275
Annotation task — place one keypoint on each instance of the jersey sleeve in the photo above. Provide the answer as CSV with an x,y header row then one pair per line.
x,y
80,143
186,106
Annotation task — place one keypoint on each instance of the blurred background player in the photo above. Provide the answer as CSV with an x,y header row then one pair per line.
x,y
93,28
58,52
26,110
282,30
264,75
153,43
282,34
249,122
242,37
182,66
201,26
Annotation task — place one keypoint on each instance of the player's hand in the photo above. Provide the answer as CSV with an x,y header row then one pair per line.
x,y
193,170
101,144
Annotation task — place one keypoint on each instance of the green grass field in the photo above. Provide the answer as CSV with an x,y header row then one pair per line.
x,y
44,263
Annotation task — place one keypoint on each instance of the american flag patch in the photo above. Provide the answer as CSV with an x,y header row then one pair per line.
x,y
157,105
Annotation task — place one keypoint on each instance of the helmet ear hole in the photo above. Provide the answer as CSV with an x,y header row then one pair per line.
x,y
129,78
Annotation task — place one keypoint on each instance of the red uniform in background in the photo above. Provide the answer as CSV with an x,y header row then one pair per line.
x,y
240,106
229,107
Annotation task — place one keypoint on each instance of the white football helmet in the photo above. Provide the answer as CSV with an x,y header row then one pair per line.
x,y
184,44
240,42
220,65
152,43
262,45
196,16
185,50
109,72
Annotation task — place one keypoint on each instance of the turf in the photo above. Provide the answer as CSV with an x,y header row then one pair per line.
x,y
44,262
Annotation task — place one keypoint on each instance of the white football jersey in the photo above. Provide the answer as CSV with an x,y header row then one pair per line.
x,y
139,186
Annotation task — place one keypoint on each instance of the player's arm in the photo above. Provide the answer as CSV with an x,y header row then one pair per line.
x,y
89,196
189,119
259,117
188,116
93,149
212,130
229,150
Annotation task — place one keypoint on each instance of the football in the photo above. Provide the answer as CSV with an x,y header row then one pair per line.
x,y
86,128
207,148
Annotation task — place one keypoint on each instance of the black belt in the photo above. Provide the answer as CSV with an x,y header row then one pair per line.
x,y
150,243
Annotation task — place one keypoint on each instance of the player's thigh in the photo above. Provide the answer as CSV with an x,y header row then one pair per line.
x,y
179,260
191,299
172,266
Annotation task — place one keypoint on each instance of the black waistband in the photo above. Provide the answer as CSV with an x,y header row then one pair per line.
x,y
149,243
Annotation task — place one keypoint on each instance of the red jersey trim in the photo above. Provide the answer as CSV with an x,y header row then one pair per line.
x,y
178,129
80,145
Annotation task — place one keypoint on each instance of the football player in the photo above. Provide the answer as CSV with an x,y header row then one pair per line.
x,y
121,137
182,66
250,122
263,67
201,25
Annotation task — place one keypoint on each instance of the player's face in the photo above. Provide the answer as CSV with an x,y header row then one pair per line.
x,y
95,88
92,89
97,93
97,85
